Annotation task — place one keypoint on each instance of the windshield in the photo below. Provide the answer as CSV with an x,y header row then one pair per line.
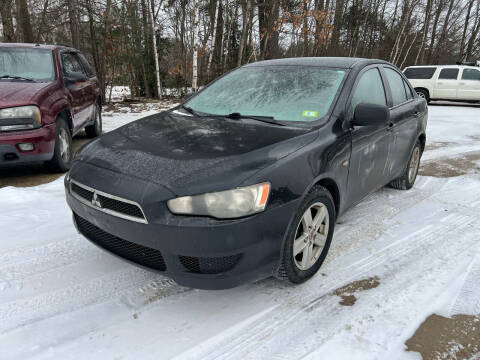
x,y
288,93
35,64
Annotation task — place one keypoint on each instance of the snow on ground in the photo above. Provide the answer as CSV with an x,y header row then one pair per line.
x,y
396,258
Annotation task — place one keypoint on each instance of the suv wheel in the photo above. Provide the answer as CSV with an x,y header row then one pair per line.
x,y
95,129
309,236
406,181
63,152
423,94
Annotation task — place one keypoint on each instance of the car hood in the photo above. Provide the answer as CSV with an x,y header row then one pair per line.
x,y
12,92
190,155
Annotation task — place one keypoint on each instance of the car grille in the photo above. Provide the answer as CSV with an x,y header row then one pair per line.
x,y
139,254
107,203
210,265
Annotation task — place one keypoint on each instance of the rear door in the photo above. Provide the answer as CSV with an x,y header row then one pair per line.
x,y
405,109
370,144
447,84
76,91
469,86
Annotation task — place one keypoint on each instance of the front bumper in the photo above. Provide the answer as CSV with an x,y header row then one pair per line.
x,y
196,252
43,140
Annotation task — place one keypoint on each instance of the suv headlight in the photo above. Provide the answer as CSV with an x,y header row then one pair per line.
x,y
20,118
228,204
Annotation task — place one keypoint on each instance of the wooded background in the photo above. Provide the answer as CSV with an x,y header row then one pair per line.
x,y
198,40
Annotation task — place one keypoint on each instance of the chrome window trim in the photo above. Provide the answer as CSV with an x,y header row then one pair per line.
x,y
107,211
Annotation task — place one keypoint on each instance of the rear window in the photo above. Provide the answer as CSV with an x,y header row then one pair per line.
x,y
470,74
420,73
448,74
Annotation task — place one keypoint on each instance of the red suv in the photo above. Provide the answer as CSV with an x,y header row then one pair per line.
x,y
48,93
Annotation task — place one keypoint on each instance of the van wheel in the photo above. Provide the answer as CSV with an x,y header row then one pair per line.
x,y
309,237
423,94
63,152
406,181
95,129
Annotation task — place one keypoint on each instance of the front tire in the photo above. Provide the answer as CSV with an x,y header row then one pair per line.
x,y
95,129
407,179
423,94
309,236
63,152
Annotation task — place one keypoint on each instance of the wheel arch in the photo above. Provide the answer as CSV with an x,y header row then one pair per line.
x,y
332,187
423,139
67,116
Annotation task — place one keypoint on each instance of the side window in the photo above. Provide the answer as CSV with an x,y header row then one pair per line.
x,y
448,74
470,74
397,87
420,72
86,65
70,64
408,90
369,89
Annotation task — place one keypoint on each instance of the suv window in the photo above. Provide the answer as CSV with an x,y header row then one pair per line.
x,y
448,74
88,69
470,74
70,64
397,87
420,73
369,89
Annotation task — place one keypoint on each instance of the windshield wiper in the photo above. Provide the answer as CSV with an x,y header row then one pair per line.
x,y
16,77
190,110
265,119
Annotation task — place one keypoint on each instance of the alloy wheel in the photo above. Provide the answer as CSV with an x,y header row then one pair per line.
x,y
413,166
311,236
64,145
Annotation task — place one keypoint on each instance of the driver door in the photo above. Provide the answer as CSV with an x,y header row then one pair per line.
x,y
368,168
75,91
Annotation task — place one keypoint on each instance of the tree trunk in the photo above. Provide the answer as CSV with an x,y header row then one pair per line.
x,y
465,27
23,21
337,25
155,54
73,22
214,36
195,47
7,21
243,40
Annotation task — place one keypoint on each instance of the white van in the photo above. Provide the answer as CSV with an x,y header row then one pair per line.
x,y
445,82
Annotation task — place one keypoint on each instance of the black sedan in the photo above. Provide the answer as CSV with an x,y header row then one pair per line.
x,y
246,179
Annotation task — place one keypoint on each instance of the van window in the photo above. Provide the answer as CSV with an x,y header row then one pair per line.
x,y
420,73
397,87
470,74
369,89
448,74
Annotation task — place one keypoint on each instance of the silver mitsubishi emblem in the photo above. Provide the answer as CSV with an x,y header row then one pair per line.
x,y
95,201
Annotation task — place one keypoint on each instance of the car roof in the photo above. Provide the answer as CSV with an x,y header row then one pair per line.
x,y
335,62
37,46
443,66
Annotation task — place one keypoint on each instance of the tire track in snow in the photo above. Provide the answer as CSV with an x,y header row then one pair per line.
x,y
262,328
101,288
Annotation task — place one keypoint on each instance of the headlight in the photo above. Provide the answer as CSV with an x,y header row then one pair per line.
x,y
224,204
20,118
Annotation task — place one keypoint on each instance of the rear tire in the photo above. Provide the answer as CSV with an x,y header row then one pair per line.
x,y
307,242
95,129
407,179
423,94
63,152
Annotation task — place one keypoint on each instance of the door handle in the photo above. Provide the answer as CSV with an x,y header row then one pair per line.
x,y
462,83
439,83
416,113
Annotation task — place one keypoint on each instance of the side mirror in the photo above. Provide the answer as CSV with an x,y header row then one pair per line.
x,y
371,115
188,96
75,77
